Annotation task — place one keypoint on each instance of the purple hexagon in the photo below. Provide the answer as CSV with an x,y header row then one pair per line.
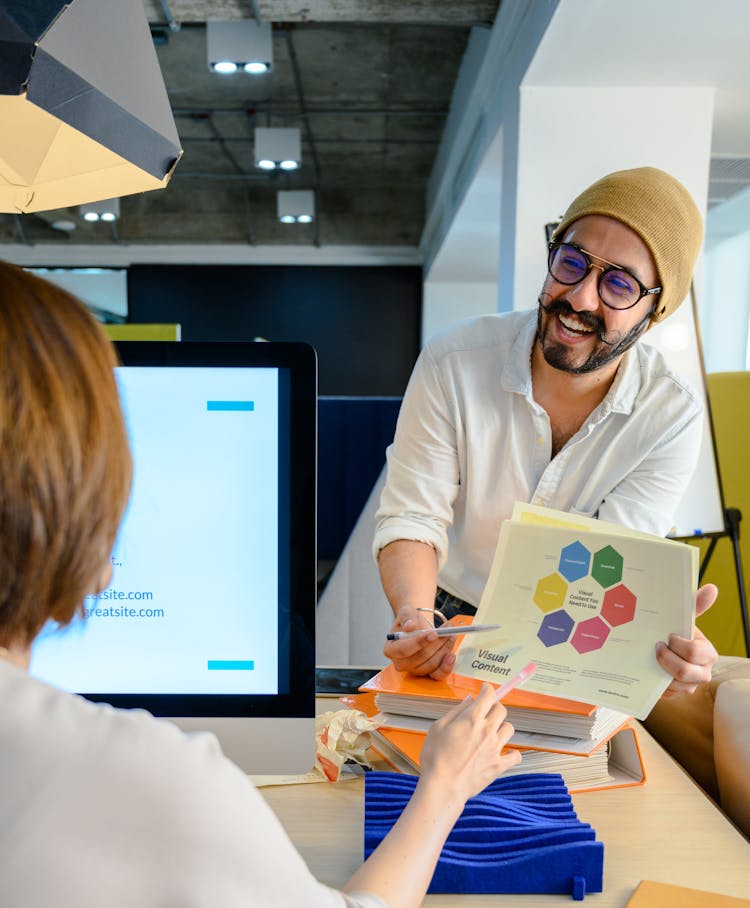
x,y
555,628
590,634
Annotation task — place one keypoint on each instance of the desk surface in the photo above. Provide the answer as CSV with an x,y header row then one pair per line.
x,y
665,830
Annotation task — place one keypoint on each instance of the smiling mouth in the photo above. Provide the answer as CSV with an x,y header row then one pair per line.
x,y
574,326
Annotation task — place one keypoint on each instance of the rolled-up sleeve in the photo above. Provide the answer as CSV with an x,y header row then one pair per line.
x,y
423,474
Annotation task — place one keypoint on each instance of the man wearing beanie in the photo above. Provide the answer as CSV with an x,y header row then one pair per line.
x,y
558,406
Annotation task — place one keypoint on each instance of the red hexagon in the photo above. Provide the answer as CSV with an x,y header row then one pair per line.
x,y
619,605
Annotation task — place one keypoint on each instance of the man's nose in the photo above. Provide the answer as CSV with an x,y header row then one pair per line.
x,y
584,296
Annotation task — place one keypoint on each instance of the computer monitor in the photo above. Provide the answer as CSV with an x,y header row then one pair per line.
x,y
209,618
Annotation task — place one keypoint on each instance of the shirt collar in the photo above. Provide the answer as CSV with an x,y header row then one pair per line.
x,y
516,372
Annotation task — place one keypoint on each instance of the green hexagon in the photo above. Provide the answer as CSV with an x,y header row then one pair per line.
x,y
606,568
550,592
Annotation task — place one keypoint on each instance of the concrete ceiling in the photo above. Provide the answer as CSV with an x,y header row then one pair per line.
x,y
368,83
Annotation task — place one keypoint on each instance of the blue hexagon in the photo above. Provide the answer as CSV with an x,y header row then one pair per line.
x,y
574,561
555,628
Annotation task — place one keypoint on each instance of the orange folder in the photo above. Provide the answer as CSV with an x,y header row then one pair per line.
x,y
402,749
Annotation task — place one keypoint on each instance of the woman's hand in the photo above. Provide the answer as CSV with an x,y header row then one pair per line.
x,y
463,751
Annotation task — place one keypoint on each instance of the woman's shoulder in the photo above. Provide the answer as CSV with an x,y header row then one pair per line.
x,y
120,753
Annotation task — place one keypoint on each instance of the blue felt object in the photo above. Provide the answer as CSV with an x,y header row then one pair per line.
x,y
520,835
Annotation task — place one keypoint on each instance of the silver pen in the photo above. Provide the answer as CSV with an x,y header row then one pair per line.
x,y
449,631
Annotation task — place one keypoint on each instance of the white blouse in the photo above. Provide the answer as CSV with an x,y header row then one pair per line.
x,y
115,808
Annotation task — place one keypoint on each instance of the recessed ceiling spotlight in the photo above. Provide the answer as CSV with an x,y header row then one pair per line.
x,y
64,225
105,210
295,206
244,44
256,69
278,147
225,67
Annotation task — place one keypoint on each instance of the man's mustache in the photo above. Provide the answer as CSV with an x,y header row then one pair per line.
x,y
588,319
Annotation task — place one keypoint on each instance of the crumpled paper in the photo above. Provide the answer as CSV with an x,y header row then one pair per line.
x,y
342,735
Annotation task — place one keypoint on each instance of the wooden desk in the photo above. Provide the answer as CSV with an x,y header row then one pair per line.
x,y
665,830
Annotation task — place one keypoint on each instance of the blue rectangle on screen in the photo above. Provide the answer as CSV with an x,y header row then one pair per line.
x,y
231,405
231,665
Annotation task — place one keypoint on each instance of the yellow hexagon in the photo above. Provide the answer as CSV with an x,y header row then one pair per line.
x,y
550,592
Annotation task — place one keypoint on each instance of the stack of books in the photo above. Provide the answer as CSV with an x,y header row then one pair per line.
x,y
590,747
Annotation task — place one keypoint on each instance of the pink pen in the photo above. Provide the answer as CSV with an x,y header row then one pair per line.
x,y
526,672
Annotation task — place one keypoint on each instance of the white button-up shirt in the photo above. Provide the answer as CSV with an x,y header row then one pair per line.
x,y
471,441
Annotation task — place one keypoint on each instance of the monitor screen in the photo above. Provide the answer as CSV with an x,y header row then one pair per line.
x,y
209,618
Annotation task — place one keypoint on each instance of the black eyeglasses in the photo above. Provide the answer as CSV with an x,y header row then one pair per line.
x,y
618,288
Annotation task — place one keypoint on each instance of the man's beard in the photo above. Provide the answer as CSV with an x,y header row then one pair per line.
x,y
611,344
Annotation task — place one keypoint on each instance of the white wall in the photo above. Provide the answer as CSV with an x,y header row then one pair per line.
x,y
557,159
725,305
445,302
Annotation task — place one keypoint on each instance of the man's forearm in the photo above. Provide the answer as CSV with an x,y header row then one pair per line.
x,y
408,572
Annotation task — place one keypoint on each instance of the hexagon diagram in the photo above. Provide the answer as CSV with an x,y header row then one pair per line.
x,y
550,592
619,606
590,635
574,561
607,567
569,596
555,628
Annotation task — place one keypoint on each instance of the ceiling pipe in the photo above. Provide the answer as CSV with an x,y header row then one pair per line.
x,y
314,112
216,136
256,11
174,25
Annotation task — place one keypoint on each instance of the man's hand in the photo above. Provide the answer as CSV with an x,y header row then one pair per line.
x,y
689,661
425,654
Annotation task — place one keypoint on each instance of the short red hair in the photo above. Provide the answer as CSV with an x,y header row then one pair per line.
x,y
65,465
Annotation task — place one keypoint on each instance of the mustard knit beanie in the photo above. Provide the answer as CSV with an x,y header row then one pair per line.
x,y
663,214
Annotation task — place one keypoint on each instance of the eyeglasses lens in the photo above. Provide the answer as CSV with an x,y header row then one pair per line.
x,y
618,289
568,265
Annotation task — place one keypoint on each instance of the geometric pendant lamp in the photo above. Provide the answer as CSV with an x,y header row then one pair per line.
x,y
84,114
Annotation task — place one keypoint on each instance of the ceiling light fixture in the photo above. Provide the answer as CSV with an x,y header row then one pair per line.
x,y
240,45
295,206
107,210
277,148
